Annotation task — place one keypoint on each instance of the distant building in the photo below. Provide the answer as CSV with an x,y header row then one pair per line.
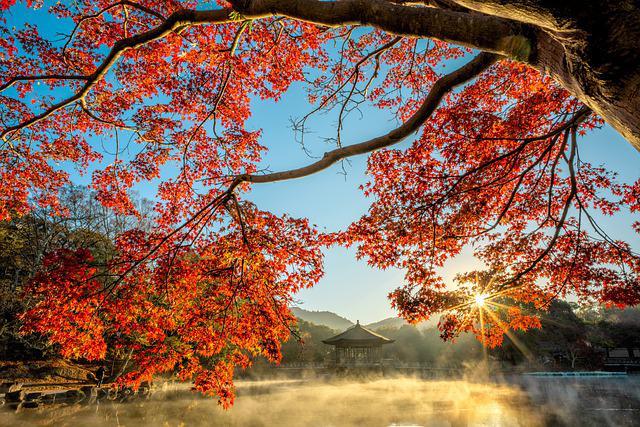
x,y
622,358
357,346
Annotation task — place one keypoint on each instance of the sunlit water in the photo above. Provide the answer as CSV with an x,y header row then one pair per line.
x,y
517,401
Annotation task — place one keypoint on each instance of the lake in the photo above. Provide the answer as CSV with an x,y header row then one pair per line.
x,y
514,401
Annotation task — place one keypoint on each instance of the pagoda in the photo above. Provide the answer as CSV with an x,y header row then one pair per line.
x,y
357,346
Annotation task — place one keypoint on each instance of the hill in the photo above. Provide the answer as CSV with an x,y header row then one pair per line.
x,y
325,318
339,323
389,322
397,323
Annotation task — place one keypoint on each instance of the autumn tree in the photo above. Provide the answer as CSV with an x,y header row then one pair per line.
x,y
26,240
495,96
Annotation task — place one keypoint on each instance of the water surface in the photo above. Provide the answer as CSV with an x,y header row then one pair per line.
x,y
516,401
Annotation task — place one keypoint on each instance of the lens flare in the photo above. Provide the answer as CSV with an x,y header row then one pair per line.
x,y
480,299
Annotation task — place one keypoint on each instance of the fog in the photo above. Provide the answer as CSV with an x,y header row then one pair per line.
x,y
518,401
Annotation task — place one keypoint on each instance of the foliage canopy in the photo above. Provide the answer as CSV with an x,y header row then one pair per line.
x,y
494,163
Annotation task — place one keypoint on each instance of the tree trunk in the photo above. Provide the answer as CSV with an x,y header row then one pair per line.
x,y
604,72
591,47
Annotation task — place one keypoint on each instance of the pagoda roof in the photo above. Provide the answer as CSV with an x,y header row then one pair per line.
x,y
358,335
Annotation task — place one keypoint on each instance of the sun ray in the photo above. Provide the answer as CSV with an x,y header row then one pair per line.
x,y
484,344
516,342
491,303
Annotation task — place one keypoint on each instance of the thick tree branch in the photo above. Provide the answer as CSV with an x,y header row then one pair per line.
x,y
549,14
487,33
440,88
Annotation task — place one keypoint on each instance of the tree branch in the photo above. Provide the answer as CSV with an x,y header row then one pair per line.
x,y
483,32
549,14
172,23
16,79
107,9
440,88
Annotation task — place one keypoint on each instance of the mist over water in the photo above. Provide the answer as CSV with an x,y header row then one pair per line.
x,y
402,401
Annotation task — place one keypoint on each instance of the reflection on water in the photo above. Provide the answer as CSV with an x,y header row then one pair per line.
x,y
379,402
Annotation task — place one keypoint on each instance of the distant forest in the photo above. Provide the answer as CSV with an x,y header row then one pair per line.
x,y
26,240
570,337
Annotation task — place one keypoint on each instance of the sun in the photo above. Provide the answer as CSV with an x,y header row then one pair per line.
x,y
480,299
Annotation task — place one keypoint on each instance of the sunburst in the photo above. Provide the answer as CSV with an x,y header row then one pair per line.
x,y
480,299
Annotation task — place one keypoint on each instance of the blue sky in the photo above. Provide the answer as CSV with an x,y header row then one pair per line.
x,y
332,199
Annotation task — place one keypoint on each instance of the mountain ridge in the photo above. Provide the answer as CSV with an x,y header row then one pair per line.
x,y
324,318
339,323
